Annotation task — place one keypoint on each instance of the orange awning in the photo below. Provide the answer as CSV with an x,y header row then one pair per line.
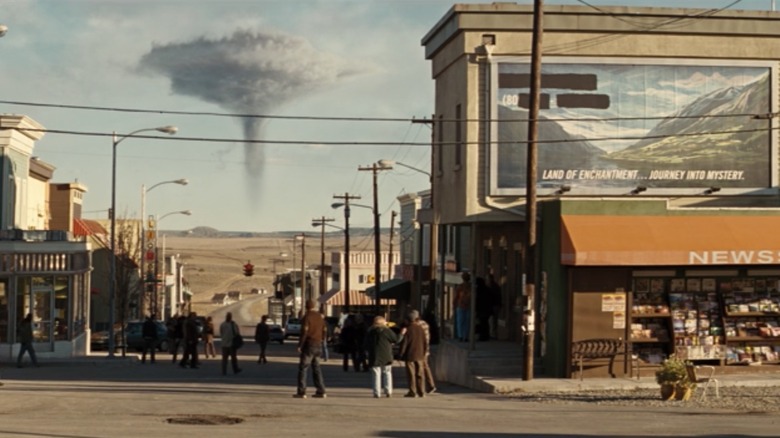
x,y
669,240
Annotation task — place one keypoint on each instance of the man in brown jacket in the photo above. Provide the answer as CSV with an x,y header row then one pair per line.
x,y
414,351
313,332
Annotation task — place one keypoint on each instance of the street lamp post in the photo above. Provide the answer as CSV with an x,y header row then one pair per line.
x,y
322,222
388,164
155,297
345,204
145,253
116,139
302,238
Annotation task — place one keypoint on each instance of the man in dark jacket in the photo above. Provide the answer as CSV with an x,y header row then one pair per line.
x,y
262,335
414,350
149,333
191,338
379,345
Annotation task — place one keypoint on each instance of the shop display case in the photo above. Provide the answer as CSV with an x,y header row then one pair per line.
x,y
752,319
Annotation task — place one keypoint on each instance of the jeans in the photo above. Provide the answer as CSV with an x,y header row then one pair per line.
x,y
150,344
462,323
415,372
229,352
190,355
382,376
26,346
310,355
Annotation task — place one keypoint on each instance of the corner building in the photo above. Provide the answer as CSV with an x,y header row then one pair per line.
x,y
657,177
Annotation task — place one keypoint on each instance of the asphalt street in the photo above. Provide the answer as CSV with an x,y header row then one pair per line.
x,y
101,397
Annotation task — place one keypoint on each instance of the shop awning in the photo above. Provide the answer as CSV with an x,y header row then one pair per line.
x,y
669,240
396,289
335,297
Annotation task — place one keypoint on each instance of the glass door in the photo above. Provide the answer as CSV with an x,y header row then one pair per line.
x,y
36,295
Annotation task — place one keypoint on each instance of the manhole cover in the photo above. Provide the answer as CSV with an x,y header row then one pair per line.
x,y
205,420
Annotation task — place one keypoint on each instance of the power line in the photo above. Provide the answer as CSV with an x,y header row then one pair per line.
x,y
384,143
368,119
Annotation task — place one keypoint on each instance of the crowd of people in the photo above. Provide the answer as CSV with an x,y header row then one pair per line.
x,y
372,348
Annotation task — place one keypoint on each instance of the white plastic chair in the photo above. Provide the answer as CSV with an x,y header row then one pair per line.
x,y
706,380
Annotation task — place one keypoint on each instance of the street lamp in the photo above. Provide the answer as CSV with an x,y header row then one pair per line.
x,y
322,222
155,297
149,254
3,30
116,139
388,165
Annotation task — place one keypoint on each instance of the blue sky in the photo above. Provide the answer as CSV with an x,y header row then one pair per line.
x,y
338,58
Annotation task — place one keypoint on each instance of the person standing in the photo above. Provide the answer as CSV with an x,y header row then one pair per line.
x,y
348,343
430,384
228,331
379,345
178,336
360,340
463,308
414,351
262,335
208,338
24,333
497,302
149,333
313,331
190,339
484,308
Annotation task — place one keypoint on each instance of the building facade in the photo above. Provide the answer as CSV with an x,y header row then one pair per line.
x,y
44,269
652,121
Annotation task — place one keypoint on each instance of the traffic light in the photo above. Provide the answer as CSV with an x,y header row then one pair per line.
x,y
249,269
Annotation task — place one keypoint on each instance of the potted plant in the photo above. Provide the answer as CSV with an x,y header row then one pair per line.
x,y
674,380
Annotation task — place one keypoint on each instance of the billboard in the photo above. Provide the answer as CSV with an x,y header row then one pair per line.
x,y
608,126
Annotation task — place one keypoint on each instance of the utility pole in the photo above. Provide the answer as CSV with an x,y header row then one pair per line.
x,y
321,222
375,168
390,248
530,189
433,229
303,269
346,199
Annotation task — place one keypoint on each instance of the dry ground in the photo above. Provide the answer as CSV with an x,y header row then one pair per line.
x,y
215,264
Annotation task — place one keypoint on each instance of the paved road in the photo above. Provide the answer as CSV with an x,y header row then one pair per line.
x,y
99,397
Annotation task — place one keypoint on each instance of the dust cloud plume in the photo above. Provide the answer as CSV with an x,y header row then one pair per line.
x,y
248,73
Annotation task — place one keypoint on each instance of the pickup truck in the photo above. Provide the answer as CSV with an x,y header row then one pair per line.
x,y
293,328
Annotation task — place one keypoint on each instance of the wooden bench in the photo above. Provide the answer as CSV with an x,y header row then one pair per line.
x,y
590,349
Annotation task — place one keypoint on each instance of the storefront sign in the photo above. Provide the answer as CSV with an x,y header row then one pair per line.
x,y
753,257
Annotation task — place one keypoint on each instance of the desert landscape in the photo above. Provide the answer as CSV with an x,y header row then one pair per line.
x,y
213,262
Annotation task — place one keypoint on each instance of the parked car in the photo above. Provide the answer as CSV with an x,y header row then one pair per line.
x,y
293,328
277,333
135,339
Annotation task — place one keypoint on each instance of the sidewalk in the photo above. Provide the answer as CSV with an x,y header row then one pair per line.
x,y
497,367
510,385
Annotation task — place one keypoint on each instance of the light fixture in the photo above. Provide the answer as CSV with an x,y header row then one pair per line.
x,y
711,190
563,189
638,190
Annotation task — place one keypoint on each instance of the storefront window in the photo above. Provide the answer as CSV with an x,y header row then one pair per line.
x,y
61,317
79,303
4,315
